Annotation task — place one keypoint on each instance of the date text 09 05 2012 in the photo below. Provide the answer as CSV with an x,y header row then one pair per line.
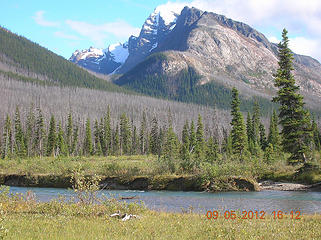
x,y
231,214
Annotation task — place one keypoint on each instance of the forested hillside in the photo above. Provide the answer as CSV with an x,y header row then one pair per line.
x,y
35,63
185,87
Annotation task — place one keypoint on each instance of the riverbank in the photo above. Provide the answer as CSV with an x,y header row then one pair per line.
x,y
160,182
146,173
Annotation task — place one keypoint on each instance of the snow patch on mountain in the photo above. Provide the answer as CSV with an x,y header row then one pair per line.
x,y
168,13
119,52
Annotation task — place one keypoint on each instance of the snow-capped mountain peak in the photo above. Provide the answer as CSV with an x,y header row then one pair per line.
x,y
118,56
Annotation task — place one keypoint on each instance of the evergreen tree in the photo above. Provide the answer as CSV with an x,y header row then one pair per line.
x,y
135,145
107,142
256,123
192,138
30,131
52,137
262,140
125,135
61,148
316,135
75,140
211,150
69,135
185,155
200,141
142,134
98,151
274,135
40,134
293,117
250,133
239,140
171,150
88,146
19,138
7,148
154,138
116,141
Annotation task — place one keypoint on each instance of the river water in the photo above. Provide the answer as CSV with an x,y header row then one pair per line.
x,y
201,202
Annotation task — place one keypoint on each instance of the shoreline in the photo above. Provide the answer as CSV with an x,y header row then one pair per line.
x,y
288,186
170,183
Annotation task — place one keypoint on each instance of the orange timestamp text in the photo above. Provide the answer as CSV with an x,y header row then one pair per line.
x,y
231,214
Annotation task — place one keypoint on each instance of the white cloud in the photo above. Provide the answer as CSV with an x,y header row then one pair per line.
x,y
305,46
301,18
98,33
39,18
65,35
274,39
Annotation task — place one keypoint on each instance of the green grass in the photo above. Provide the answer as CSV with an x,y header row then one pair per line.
x,y
131,167
154,225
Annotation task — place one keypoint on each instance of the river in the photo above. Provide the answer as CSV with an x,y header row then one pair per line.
x,y
201,202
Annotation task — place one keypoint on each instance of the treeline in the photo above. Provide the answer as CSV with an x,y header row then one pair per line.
x,y
33,58
187,149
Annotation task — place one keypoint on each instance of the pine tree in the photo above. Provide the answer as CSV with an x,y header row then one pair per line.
x,y
154,138
107,143
185,155
69,135
88,146
274,135
200,141
20,149
98,150
316,135
250,133
125,134
211,150
238,133
116,141
256,123
30,132
75,140
171,148
7,148
192,138
61,149
262,140
52,137
142,134
39,134
135,145
293,117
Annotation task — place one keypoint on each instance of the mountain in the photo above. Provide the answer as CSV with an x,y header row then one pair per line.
x,y
206,52
198,56
103,61
154,30
23,60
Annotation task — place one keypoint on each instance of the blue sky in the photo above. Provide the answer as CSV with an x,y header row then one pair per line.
x,y
64,26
